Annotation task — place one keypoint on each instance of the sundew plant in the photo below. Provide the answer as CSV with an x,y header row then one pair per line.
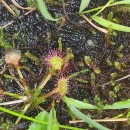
x,y
64,65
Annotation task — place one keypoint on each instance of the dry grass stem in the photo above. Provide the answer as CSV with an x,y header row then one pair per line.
x,y
125,77
20,7
12,102
3,69
17,81
8,24
102,120
23,112
95,26
7,7
40,108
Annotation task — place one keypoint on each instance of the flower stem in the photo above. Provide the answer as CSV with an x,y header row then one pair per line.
x,y
44,81
13,95
48,94
22,80
23,111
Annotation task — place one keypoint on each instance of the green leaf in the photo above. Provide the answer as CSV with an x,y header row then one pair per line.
x,y
122,2
87,119
43,9
118,105
83,5
38,126
107,24
78,104
52,121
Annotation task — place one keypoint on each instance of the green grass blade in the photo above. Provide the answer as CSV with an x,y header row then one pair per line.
x,y
118,105
87,119
122,2
125,2
20,115
83,5
43,9
105,6
107,24
78,104
35,120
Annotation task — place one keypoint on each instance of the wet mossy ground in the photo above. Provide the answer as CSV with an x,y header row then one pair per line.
x,y
34,34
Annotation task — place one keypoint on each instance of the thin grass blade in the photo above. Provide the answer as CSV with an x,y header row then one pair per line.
x,y
119,105
107,24
78,104
122,2
87,119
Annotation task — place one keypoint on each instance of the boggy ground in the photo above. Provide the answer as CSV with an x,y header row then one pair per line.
x,y
34,34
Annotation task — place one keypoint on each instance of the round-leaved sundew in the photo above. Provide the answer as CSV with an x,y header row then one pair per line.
x,y
13,57
55,60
